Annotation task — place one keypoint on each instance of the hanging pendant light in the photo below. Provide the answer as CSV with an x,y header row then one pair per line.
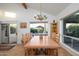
x,y
40,16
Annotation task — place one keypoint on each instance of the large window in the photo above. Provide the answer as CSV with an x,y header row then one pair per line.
x,y
71,31
39,28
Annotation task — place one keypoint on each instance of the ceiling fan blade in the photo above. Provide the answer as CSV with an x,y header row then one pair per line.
x,y
24,5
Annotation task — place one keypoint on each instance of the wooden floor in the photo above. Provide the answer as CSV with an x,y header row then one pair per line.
x,y
63,52
18,50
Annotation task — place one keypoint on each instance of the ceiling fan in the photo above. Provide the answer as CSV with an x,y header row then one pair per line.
x,y
24,5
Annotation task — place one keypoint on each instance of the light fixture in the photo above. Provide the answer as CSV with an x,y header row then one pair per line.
x,y
10,14
40,16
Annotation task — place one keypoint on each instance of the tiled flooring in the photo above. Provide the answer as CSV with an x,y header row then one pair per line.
x,y
18,50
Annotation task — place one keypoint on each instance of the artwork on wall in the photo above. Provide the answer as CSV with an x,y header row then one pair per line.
x,y
23,25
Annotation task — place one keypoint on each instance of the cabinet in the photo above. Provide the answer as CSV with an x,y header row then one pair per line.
x,y
53,27
54,31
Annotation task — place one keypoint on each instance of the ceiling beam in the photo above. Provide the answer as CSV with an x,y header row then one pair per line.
x,y
24,5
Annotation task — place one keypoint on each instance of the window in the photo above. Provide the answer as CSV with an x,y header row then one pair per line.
x,y
71,31
12,28
39,28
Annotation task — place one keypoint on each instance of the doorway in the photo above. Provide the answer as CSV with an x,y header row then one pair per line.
x,y
8,33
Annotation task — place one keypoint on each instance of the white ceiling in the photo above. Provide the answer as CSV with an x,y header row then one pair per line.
x,y
50,8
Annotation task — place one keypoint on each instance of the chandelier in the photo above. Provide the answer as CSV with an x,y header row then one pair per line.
x,y
40,16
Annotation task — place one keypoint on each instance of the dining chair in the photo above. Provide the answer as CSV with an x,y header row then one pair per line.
x,y
32,51
55,37
26,37
51,52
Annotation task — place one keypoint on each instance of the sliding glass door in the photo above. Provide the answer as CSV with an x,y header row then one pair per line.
x,y
12,34
4,33
8,33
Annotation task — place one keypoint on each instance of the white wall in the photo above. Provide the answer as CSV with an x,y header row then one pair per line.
x,y
22,31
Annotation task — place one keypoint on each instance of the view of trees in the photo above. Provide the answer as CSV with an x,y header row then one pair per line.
x,y
73,30
37,30
12,30
33,30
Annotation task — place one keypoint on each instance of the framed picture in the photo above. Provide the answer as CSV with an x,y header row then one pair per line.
x,y
23,25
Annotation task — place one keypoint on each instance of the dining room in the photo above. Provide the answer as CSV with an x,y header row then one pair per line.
x,y
37,30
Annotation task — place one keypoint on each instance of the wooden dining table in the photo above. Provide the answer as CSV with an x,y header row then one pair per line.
x,y
44,42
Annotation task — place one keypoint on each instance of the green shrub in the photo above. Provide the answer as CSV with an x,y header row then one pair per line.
x,y
74,29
